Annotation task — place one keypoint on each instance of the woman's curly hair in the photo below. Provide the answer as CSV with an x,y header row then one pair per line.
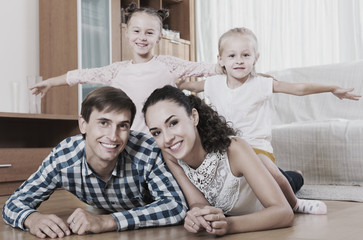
x,y
213,129
161,14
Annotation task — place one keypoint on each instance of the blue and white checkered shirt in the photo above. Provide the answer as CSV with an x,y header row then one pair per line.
x,y
140,193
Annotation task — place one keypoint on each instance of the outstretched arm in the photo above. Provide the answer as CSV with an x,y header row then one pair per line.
x,y
193,86
102,75
44,86
301,89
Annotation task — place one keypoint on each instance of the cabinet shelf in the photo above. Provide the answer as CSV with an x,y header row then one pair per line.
x,y
38,116
20,130
25,140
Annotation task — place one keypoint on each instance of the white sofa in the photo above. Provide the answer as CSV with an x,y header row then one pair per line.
x,y
321,134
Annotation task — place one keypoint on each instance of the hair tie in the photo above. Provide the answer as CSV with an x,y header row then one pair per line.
x,y
163,13
131,8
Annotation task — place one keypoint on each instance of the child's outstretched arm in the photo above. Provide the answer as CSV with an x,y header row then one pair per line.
x,y
301,89
193,86
44,86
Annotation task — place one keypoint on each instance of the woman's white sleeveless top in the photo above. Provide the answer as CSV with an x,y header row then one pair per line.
x,y
220,187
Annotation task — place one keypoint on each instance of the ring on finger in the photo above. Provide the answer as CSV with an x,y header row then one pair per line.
x,y
73,221
193,224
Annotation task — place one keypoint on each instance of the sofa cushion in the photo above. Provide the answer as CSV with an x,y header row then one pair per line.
x,y
327,152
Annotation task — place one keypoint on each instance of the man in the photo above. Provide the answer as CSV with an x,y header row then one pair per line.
x,y
108,167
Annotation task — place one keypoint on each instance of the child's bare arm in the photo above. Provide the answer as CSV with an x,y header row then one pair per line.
x,y
301,89
44,86
265,75
193,86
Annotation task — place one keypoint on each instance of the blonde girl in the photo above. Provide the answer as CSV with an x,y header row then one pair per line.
x,y
243,98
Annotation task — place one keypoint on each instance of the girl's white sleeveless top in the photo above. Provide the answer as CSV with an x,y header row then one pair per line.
x,y
220,187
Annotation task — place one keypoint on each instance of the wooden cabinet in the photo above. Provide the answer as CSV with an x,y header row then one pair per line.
x,y
179,48
25,140
58,52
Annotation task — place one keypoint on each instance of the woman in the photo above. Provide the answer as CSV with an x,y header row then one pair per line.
x,y
242,194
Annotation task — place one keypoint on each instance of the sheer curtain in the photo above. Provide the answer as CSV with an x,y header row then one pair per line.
x,y
291,33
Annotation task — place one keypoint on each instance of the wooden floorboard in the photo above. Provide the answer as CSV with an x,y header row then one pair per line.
x,y
344,221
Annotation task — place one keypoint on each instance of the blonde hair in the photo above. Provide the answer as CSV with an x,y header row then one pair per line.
x,y
243,32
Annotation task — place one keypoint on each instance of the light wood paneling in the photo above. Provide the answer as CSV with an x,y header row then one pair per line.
x,y
115,29
58,52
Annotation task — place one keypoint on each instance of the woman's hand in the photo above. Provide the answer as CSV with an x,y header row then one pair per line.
x,y
216,218
194,222
210,218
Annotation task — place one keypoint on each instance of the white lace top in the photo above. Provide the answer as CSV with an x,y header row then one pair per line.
x,y
220,187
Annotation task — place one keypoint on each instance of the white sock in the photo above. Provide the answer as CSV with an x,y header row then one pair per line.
x,y
310,207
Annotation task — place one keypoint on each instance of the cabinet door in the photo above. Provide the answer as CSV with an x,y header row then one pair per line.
x,y
174,48
58,52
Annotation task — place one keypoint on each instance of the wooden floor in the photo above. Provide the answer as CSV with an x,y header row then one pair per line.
x,y
344,221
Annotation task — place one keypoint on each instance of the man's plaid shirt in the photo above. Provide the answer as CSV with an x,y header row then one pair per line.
x,y
140,193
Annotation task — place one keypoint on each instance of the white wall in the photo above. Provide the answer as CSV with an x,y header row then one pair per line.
x,y
19,51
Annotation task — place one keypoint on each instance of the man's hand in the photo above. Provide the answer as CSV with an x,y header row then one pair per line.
x,y
83,222
46,225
